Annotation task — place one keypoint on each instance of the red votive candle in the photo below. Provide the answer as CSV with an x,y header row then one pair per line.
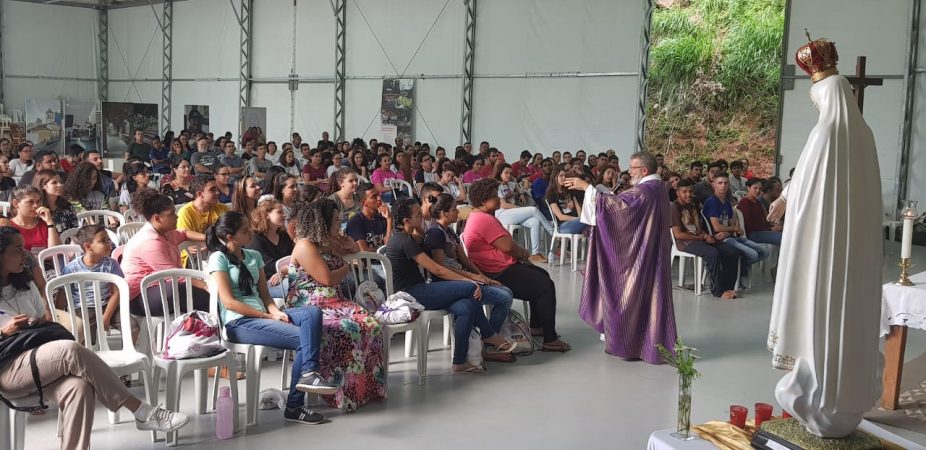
x,y
738,416
763,413
785,414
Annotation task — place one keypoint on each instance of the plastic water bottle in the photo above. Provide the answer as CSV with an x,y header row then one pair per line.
x,y
224,415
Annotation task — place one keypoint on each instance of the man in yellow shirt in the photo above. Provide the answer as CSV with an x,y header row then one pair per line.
x,y
203,211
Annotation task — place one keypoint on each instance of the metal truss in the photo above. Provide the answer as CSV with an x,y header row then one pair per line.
x,y
166,23
644,73
469,65
912,71
102,74
340,67
243,15
2,73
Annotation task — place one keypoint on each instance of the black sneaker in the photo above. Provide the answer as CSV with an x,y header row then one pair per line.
x,y
303,415
313,383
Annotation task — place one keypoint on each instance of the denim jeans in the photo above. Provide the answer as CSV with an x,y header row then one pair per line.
x,y
500,299
303,335
456,297
751,252
573,226
765,237
528,217
280,290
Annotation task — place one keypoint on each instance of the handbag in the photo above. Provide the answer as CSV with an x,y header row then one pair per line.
x,y
31,338
193,335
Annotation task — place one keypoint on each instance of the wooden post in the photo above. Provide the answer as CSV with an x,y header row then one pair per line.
x,y
894,346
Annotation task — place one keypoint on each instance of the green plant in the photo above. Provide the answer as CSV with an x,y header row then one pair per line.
x,y
682,358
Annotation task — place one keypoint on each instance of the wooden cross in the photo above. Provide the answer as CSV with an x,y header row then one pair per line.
x,y
860,82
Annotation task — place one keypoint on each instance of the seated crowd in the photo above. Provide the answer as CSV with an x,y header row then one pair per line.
x,y
316,206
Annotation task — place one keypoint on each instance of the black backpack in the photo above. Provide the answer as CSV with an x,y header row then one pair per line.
x,y
26,339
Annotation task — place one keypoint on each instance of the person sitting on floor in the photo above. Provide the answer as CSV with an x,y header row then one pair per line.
x,y
691,237
251,317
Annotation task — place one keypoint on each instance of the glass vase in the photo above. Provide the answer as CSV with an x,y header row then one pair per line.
x,y
683,428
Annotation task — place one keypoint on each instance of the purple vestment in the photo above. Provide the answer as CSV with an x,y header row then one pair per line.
x,y
628,283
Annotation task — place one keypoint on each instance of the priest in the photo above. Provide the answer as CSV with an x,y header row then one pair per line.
x,y
628,287
827,303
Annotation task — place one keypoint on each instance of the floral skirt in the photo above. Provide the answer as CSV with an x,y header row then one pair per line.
x,y
351,353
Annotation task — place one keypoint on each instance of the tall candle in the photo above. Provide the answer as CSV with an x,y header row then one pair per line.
x,y
906,245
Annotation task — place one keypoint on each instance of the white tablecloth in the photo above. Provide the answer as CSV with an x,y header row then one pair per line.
x,y
663,440
904,305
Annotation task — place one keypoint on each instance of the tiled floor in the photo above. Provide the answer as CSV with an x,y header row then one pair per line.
x,y
584,399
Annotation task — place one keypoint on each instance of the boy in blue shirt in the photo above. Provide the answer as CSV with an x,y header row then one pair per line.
x,y
725,226
97,247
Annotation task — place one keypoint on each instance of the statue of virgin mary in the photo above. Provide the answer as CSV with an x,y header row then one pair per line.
x,y
824,324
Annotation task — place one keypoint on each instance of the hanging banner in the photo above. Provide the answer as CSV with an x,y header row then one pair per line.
x,y
43,124
80,125
196,118
253,124
398,109
120,120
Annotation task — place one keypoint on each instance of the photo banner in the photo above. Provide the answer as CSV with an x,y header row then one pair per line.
x,y
196,118
397,113
80,125
43,124
12,126
120,120
253,124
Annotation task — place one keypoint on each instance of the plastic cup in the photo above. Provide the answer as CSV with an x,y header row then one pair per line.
x,y
785,414
763,413
738,416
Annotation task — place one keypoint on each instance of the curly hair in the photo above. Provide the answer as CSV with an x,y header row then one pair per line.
x,y
482,191
313,222
148,202
77,186
260,216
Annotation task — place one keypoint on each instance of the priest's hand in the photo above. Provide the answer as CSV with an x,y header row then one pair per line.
x,y
777,210
576,184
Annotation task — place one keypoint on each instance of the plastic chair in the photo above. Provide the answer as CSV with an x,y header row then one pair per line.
x,y
13,423
131,216
5,208
125,232
524,234
197,258
574,241
361,266
397,184
739,261
99,216
699,270
125,361
254,355
60,255
170,281
67,236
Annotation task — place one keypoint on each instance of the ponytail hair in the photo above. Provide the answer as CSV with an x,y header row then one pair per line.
x,y
401,210
443,203
230,223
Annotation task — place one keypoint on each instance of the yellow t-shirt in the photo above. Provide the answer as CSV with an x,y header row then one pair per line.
x,y
189,218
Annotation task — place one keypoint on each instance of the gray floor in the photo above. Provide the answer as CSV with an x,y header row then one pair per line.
x,y
582,399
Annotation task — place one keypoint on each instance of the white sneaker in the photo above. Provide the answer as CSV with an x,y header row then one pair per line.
x,y
160,419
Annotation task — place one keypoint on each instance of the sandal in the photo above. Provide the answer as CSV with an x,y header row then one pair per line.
x,y
471,370
507,347
555,346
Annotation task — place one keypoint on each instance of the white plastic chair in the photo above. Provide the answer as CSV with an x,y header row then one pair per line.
x,y
361,266
254,355
397,184
524,234
5,208
196,259
574,241
739,261
99,216
699,270
170,281
13,423
124,361
60,255
131,216
125,232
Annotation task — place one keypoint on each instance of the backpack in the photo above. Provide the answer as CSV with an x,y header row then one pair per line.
x,y
517,330
193,335
24,340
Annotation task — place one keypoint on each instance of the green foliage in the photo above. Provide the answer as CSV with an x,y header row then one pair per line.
x,y
682,359
714,79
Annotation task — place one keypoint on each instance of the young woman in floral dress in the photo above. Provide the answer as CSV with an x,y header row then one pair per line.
x,y
352,342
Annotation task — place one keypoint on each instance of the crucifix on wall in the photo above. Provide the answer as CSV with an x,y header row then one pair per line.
x,y
860,81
